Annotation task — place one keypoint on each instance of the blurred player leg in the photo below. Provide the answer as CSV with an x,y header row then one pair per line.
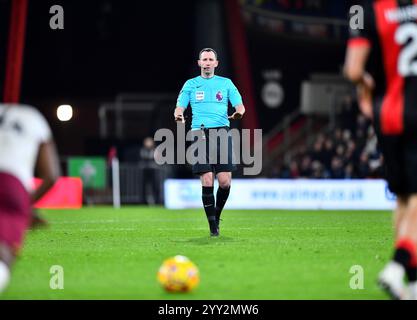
x,y
399,213
14,220
391,279
37,221
6,258
404,261
408,230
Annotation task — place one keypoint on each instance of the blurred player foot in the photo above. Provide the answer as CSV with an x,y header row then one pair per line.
x,y
391,280
4,276
37,221
412,291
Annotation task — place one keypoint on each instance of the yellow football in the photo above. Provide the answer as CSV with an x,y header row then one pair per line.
x,y
178,274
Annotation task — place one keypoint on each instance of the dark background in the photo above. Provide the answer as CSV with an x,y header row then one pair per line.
x,y
110,47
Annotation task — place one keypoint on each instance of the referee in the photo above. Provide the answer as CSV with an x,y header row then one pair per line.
x,y
208,96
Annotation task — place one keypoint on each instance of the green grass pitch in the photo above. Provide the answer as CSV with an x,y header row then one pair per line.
x,y
260,254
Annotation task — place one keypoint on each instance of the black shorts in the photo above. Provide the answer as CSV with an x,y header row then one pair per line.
x,y
218,155
400,162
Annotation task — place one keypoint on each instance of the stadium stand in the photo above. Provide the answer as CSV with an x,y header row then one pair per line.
x,y
347,151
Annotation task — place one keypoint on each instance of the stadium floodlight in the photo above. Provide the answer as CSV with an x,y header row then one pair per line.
x,y
64,112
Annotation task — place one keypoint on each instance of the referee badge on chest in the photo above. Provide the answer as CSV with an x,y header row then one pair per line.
x,y
219,96
199,95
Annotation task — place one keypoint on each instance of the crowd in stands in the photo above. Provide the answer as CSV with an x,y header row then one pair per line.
x,y
348,152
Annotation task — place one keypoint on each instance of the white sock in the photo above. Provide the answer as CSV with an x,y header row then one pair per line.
x,y
4,276
395,268
412,286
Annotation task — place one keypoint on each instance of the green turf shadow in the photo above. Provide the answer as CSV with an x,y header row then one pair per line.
x,y
210,240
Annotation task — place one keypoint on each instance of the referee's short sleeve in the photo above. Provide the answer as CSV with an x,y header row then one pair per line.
x,y
184,96
234,96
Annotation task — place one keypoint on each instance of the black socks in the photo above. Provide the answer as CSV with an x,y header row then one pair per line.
x,y
208,202
221,198
405,254
213,210
411,273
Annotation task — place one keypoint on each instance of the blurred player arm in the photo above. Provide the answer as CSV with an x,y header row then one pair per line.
x,y
238,114
355,62
354,70
47,169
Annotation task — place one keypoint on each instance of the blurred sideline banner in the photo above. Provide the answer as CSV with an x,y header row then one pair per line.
x,y
92,171
67,193
287,194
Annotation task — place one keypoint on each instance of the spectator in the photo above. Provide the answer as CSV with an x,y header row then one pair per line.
x,y
375,165
371,141
317,170
340,151
294,170
305,168
360,138
348,114
363,167
337,170
328,153
347,136
150,183
349,172
317,154
338,136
